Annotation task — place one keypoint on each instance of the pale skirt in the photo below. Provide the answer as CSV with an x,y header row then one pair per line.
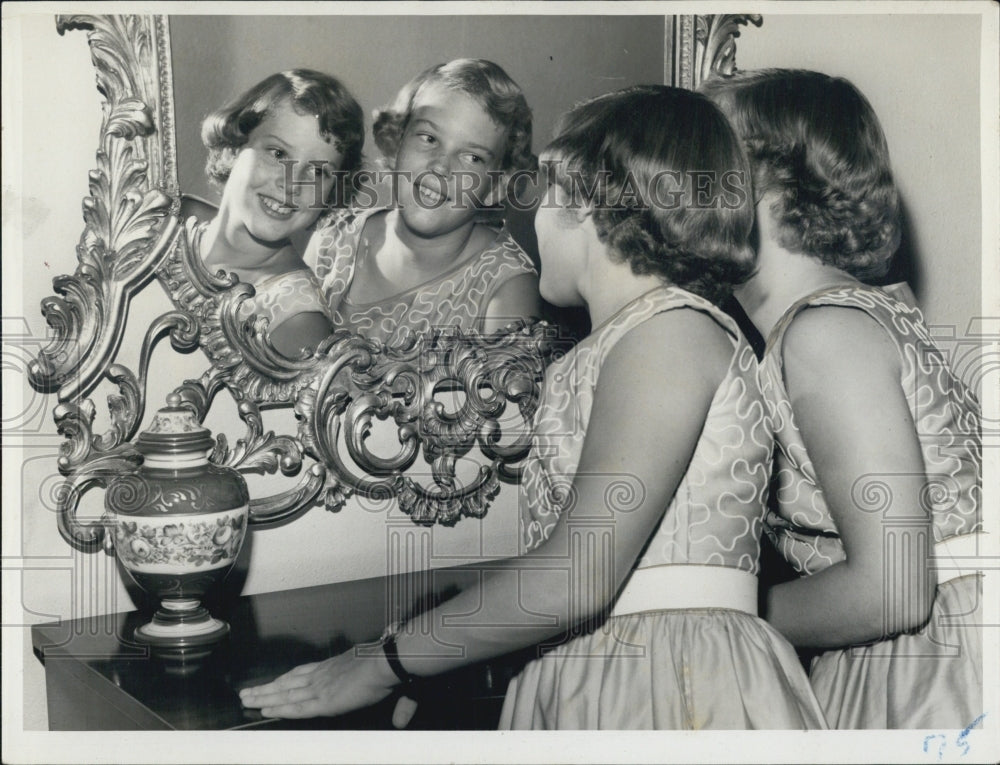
x,y
679,669
927,679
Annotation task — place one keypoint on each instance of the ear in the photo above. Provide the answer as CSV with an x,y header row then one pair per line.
x,y
584,213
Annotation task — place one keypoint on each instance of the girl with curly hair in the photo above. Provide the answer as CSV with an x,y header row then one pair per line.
x,y
453,139
878,468
280,150
639,562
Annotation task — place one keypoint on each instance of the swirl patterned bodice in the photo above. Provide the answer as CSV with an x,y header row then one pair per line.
x,y
716,515
457,298
944,411
278,297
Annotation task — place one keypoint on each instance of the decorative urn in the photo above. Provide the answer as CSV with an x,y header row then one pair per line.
x,y
178,523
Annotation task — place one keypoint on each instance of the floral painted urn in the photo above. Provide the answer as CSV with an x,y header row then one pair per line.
x,y
178,524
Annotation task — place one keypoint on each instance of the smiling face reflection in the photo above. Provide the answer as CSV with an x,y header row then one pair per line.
x,y
450,145
277,187
278,183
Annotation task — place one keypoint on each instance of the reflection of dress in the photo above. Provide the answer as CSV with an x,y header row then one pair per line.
x,y
279,297
663,665
459,297
931,678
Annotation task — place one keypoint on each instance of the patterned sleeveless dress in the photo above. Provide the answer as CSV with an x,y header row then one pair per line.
x,y
279,297
457,298
683,668
931,678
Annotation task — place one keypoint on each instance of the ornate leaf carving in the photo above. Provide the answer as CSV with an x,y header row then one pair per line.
x,y
716,36
359,381
127,226
127,231
700,47
237,347
99,471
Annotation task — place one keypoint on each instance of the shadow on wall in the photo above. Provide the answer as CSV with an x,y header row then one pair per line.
x,y
906,262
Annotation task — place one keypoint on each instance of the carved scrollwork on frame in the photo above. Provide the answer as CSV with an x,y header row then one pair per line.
x,y
90,459
446,397
360,381
716,35
237,347
697,48
128,228
258,451
127,223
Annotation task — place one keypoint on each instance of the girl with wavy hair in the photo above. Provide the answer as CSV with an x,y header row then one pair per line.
x,y
453,139
280,151
878,467
642,501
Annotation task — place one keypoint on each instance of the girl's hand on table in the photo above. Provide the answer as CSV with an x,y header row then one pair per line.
x,y
327,688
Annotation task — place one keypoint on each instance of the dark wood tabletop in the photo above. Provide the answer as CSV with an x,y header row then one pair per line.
x,y
98,678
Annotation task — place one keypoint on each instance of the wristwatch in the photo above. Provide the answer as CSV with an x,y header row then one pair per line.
x,y
388,643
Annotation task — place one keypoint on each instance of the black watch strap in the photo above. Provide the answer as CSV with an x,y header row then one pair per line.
x,y
392,656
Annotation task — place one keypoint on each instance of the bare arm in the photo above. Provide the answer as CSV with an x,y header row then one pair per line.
x,y
843,378
525,600
302,331
515,299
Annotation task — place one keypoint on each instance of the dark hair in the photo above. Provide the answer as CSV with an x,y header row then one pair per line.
x,y
340,117
484,81
815,141
667,181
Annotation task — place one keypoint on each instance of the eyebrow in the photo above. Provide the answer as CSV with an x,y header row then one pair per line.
x,y
477,146
292,146
276,138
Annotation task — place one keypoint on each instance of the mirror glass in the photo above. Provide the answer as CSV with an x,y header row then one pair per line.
x,y
557,60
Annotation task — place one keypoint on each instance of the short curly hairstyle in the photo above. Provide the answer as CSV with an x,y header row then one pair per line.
x,y
484,81
667,181
815,141
341,119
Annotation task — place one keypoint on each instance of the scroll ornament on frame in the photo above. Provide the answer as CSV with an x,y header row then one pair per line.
x,y
128,228
698,48
132,234
361,381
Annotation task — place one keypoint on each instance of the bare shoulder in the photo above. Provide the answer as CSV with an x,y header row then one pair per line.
x,y
838,338
675,345
659,378
520,288
304,330
517,298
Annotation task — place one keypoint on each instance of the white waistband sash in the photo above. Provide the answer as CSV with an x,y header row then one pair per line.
x,y
683,586
959,556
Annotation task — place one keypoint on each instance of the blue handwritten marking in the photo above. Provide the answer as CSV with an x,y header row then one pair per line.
x,y
941,744
960,741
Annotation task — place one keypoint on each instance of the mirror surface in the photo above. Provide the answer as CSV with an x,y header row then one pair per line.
x,y
557,60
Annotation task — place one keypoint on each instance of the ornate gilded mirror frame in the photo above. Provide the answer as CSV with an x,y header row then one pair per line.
x,y
132,234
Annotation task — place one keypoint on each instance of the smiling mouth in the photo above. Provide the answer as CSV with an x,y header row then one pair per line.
x,y
430,197
276,209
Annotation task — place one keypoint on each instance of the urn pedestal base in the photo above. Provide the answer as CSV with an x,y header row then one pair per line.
x,y
182,634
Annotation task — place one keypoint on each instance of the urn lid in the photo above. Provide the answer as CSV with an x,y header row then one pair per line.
x,y
174,430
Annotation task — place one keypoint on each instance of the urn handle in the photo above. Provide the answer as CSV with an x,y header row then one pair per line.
x,y
90,536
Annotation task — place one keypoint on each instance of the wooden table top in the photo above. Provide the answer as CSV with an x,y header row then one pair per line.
x,y
270,634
